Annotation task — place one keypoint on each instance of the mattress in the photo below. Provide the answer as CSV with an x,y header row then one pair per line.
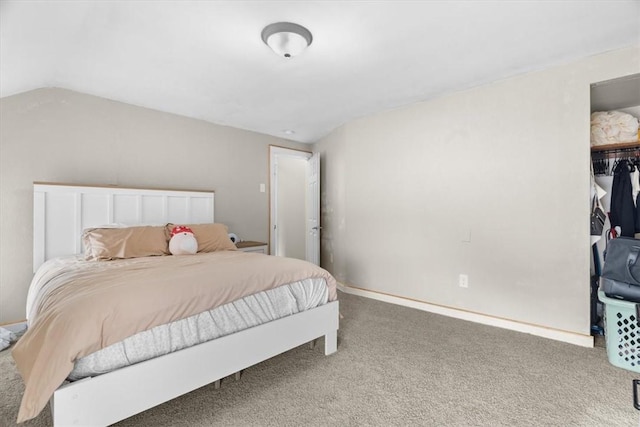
x,y
245,313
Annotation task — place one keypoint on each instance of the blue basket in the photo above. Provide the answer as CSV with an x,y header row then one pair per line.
x,y
622,332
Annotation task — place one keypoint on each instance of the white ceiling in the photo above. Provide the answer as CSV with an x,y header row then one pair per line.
x,y
205,59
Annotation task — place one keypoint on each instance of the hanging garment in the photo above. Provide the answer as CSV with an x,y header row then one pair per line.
x,y
636,181
623,210
597,193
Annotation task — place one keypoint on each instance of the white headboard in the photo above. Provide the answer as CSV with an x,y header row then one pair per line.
x,y
62,211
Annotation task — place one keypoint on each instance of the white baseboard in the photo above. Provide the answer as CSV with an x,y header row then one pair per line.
x,y
541,331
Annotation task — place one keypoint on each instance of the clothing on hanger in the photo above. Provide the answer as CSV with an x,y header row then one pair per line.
x,y
623,209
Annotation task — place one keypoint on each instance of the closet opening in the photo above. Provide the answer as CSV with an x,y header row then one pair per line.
x,y
615,161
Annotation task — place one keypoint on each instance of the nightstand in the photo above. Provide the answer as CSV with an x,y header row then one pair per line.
x,y
252,247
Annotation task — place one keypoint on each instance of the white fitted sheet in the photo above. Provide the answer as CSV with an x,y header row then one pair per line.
x,y
245,313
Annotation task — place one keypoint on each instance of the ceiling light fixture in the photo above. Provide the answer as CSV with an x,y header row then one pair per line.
x,y
286,38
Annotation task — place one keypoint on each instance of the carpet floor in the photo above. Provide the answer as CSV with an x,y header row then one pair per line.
x,y
397,366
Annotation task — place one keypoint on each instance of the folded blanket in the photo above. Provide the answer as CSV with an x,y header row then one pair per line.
x,y
6,338
610,127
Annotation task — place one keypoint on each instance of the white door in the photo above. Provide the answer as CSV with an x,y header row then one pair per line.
x,y
313,209
283,197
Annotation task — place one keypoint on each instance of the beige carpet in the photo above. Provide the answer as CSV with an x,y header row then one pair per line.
x,y
397,366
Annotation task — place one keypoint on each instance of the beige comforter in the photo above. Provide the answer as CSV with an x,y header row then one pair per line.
x,y
95,304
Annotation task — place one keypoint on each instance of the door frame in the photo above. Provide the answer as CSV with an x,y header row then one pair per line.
x,y
274,152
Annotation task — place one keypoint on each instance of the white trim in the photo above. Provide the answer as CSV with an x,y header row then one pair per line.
x,y
39,221
541,331
111,397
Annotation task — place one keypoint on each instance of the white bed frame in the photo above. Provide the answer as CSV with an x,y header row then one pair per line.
x,y
61,212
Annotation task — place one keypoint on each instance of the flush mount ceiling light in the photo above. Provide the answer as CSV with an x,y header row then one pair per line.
x,y
286,38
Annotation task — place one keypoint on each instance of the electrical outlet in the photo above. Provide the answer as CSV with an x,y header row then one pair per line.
x,y
463,281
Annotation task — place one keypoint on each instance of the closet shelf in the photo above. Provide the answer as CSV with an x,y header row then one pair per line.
x,y
613,147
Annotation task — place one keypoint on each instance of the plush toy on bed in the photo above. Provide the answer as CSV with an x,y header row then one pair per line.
x,y
182,242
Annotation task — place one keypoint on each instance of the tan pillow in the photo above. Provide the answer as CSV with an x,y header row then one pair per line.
x,y
127,242
210,237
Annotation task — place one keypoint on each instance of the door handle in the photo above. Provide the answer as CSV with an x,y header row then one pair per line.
x,y
316,228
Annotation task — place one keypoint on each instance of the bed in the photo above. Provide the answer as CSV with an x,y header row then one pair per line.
x,y
102,395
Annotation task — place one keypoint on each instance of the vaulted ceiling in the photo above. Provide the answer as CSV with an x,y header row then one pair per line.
x,y
206,59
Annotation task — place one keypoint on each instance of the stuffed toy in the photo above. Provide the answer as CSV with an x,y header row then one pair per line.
x,y
182,242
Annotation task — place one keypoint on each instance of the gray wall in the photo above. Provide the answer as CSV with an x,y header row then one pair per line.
x,y
492,182
63,136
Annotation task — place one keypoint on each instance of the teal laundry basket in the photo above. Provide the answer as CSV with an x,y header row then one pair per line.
x,y
622,332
